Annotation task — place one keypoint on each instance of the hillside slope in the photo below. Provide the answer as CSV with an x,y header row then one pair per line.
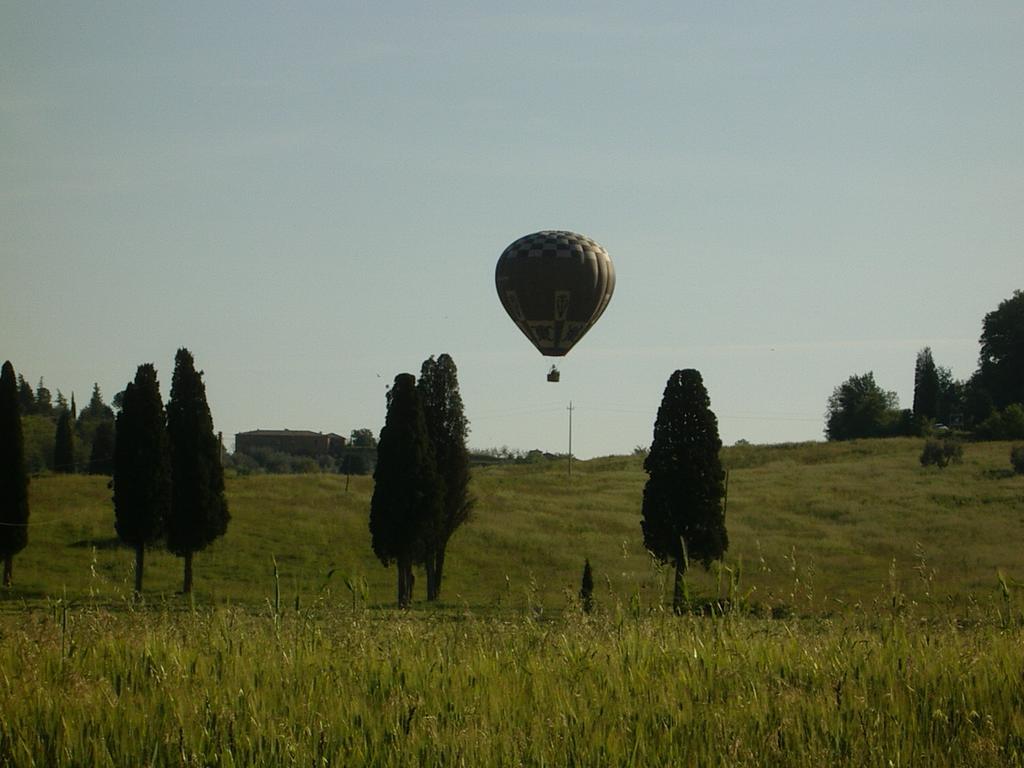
x,y
812,527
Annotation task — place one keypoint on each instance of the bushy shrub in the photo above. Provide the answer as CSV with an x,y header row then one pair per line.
x,y
266,460
242,463
942,452
932,454
1007,424
1017,459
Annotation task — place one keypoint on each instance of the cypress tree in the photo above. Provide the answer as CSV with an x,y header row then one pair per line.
x,y
13,477
95,414
64,445
26,397
141,466
101,456
97,409
199,509
447,426
926,386
44,401
683,517
408,494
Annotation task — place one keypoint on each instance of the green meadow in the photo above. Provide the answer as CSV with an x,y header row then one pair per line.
x,y
869,612
814,528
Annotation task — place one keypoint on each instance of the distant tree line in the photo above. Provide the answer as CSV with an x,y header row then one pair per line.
x,y
59,438
506,455
989,405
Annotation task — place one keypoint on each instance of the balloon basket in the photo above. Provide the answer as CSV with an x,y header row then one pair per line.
x,y
554,374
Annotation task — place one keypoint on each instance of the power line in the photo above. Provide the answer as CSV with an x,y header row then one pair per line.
x,y
570,437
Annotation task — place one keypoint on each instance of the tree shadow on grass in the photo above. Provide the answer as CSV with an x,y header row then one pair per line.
x,y
108,542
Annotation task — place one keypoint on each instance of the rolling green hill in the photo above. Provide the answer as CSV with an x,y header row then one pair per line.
x,y
813,527
878,632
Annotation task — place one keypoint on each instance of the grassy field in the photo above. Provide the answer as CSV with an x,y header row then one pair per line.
x,y
813,528
869,613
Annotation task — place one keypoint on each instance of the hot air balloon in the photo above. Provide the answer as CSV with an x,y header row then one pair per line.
x,y
554,285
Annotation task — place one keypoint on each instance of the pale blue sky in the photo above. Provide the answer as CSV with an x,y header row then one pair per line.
x,y
313,198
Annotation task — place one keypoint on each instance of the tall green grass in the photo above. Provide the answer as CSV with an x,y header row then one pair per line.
x,y
227,687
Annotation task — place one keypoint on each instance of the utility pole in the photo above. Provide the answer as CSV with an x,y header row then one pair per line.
x,y
570,437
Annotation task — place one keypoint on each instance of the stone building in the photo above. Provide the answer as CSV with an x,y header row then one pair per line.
x,y
297,442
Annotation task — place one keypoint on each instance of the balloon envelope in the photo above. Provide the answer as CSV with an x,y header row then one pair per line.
x,y
554,285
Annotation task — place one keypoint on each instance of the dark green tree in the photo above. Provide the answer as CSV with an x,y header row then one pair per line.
x,y
101,455
860,408
44,401
408,494
1001,362
941,453
951,398
362,438
142,467
1007,424
26,397
64,445
199,510
447,426
926,386
96,410
13,477
683,516
92,416
977,401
